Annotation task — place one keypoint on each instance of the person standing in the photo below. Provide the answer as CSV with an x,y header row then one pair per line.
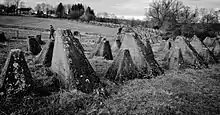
x,y
52,30
119,30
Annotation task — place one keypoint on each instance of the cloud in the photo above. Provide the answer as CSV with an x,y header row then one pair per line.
x,y
133,6
122,7
196,0
202,3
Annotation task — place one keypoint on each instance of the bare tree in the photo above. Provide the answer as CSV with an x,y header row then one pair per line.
x,y
48,8
37,7
209,15
105,15
187,15
8,3
161,10
22,4
216,14
203,11
113,16
17,3
43,7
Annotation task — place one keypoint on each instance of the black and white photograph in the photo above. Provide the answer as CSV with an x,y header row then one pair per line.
x,y
109,57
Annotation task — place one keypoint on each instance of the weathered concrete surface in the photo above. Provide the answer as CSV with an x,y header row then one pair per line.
x,y
123,68
33,46
45,56
107,52
142,55
39,40
71,64
2,37
117,43
168,45
191,58
209,42
203,51
98,51
103,49
16,76
216,49
174,59
74,39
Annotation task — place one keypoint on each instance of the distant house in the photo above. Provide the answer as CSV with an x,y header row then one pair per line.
x,y
25,11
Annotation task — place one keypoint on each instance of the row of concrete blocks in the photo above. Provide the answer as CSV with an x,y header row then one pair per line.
x,y
64,56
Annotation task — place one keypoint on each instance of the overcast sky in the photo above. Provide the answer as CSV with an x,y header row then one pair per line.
x,y
123,7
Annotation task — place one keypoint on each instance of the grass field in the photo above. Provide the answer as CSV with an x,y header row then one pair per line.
x,y
63,23
187,92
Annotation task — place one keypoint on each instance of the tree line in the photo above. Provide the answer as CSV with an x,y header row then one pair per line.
x,y
11,6
179,19
162,11
75,11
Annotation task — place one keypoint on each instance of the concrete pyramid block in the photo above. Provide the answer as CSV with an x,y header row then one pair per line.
x,y
216,49
174,59
107,52
209,42
123,68
142,55
16,76
39,40
33,46
100,39
203,51
117,43
98,51
2,37
45,56
72,65
168,45
190,56
103,49
76,41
